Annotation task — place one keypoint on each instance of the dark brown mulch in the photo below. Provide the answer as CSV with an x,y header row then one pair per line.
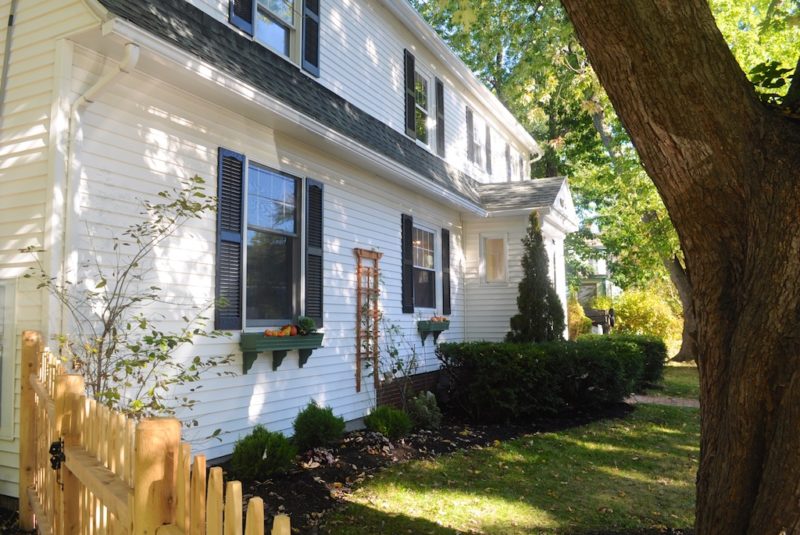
x,y
325,476
8,523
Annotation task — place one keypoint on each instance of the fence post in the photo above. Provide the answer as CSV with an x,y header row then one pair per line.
x,y
155,472
68,388
31,358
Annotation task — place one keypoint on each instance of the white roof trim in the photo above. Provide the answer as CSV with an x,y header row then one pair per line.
x,y
412,20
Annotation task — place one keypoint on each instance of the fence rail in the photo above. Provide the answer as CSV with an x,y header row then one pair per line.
x,y
117,476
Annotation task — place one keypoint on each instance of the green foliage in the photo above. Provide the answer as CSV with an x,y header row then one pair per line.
x,y
646,313
491,382
262,454
306,325
541,317
578,322
388,421
424,411
114,341
316,426
652,348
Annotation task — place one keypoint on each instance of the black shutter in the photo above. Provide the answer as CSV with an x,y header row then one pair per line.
x,y
311,36
446,272
411,98
439,118
522,168
228,315
241,14
407,253
508,162
470,137
488,149
314,266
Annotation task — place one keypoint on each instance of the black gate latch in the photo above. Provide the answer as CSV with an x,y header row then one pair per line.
x,y
57,454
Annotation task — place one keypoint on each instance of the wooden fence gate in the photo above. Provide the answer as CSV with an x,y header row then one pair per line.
x,y
86,469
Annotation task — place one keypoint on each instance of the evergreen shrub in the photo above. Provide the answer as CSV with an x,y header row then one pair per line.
x,y
655,354
389,422
424,411
316,426
499,382
262,454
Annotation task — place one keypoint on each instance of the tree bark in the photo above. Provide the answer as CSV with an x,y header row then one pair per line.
x,y
728,170
688,350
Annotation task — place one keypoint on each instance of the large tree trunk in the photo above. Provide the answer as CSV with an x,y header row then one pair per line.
x,y
677,274
728,170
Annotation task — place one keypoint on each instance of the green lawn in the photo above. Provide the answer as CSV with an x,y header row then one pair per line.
x,y
633,473
680,381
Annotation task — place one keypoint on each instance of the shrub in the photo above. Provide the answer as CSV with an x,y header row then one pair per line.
x,y
490,382
316,426
654,351
578,322
424,411
646,313
261,454
389,422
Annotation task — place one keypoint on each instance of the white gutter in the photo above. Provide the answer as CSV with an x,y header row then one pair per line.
x,y
233,86
412,20
127,64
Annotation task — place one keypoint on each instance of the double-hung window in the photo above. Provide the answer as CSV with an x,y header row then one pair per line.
x,y
424,105
495,265
269,245
475,141
273,246
421,107
424,268
275,24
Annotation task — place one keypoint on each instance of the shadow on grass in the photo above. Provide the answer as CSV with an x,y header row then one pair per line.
x,y
609,477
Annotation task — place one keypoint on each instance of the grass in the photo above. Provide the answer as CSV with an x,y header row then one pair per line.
x,y
680,381
619,474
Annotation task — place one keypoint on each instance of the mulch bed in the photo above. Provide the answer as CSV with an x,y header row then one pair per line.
x,y
325,476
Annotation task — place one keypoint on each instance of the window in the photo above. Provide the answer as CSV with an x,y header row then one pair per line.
x,y
424,268
515,173
266,259
421,107
276,24
273,264
7,359
494,260
475,146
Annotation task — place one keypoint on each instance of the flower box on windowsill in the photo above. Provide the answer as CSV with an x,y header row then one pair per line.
x,y
254,343
426,327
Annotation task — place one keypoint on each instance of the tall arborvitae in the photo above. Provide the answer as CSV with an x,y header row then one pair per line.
x,y
541,316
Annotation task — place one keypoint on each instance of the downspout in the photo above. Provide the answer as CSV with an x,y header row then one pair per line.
x,y
127,64
12,12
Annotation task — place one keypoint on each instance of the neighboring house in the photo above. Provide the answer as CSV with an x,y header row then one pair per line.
x,y
352,116
597,284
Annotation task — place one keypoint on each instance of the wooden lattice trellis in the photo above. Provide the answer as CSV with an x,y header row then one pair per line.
x,y
367,312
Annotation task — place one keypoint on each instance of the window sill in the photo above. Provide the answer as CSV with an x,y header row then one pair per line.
x,y
252,344
435,328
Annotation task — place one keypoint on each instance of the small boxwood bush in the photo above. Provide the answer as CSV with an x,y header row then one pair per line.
x,y
497,382
262,454
424,411
653,348
389,422
316,426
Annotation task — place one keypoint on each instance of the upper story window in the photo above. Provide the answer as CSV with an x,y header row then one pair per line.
x,y
475,141
421,107
277,24
422,121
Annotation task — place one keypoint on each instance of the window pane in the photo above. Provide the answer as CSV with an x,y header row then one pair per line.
x,y
422,126
282,9
494,252
271,201
423,248
272,34
421,91
270,276
424,288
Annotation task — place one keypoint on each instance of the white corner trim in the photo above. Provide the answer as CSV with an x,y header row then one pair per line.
x,y
8,290
232,86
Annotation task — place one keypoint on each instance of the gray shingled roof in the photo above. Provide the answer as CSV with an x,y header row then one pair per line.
x,y
190,29
538,193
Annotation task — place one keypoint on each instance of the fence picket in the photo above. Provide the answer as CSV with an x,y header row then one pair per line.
x,y
214,504
233,508
281,525
255,517
198,512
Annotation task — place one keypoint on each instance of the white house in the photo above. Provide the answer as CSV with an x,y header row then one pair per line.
x,y
352,116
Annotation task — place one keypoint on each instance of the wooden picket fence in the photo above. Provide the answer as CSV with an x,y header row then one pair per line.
x,y
117,476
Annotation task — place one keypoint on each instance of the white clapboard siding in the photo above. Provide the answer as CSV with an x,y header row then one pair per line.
x,y
142,137
361,59
24,160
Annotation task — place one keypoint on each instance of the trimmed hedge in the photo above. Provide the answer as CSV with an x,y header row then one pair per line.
x,y
495,382
654,349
